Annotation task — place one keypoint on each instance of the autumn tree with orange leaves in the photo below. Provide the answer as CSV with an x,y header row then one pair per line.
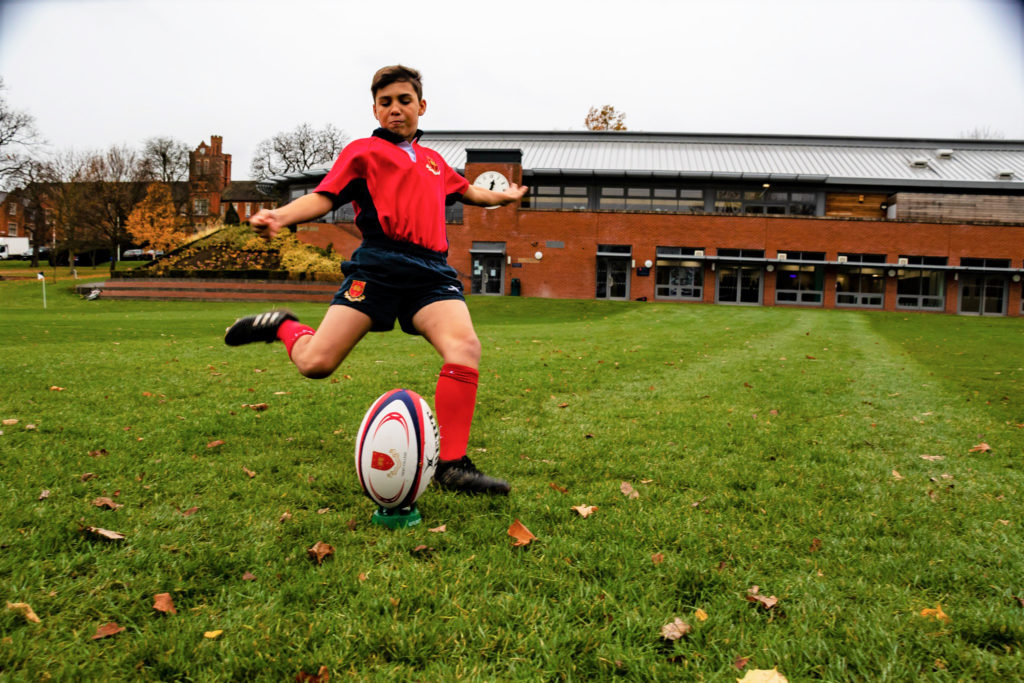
x,y
605,118
154,223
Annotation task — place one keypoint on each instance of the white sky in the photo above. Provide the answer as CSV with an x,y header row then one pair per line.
x,y
100,72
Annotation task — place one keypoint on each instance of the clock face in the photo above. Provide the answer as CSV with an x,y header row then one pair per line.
x,y
491,180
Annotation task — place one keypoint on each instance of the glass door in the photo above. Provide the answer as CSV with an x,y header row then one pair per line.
x,y
982,294
612,277
739,284
488,274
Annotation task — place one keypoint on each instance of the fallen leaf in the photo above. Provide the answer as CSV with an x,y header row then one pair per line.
x,y
897,476
10,421
215,444
520,533
560,489
258,407
754,595
675,629
320,551
87,476
439,529
56,388
249,472
981,448
44,494
748,385
321,676
162,602
248,576
285,517
815,545
103,501
351,524
933,458
563,405
657,558
99,452
936,613
321,511
25,610
107,630
104,533
741,662
585,510
701,615
191,511
213,635
628,490
393,601
1004,522
363,576
647,481
422,550
763,676
30,427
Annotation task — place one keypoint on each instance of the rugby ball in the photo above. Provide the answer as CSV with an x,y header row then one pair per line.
x,y
397,449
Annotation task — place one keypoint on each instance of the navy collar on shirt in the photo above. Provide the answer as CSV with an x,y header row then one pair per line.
x,y
395,138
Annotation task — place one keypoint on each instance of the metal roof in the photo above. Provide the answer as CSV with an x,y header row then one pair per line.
x,y
940,163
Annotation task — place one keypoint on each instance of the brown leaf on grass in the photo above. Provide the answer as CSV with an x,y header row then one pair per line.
x,y
11,421
258,407
249,472
162,602
628,490
105,534
936,613
321,676
321,511
748,385
933,458
87,476
25,611
422,550
284,517
657,558
754,595
700,615
44,494
981,448
763,676
351,524
675,629
897,476
213,635
815,545
560,489
215,444
320,551
97,453
585,510
439,529
520,533
56,388
741,663
107,630
563,405
191,511
362,576
248,576
104,502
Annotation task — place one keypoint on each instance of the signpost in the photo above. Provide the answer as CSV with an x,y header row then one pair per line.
x,y
42,277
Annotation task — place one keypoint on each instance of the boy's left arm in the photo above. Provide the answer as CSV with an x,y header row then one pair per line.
x,y
478,196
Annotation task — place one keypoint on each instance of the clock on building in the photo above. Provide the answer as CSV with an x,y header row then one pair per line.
x,y
492,180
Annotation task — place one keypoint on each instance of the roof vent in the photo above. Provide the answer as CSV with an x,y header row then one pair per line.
x,y
1004,174
944,153
919,162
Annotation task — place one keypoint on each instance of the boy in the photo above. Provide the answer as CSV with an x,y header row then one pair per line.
x,y
399,272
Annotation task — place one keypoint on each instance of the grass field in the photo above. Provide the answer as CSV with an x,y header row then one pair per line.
x,y
774,448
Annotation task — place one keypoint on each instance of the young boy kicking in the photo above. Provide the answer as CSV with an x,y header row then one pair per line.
x,y
399,272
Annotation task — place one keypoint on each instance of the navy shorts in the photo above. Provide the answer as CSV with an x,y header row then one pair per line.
x,y
395,282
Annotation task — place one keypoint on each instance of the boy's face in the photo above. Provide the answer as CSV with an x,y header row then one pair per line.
x,y
397,108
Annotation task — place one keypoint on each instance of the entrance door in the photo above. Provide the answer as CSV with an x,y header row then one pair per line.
x,y
612,277
739,284
982,294
488,274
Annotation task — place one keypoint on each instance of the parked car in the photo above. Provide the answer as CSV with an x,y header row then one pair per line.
x,y
132,255
44,254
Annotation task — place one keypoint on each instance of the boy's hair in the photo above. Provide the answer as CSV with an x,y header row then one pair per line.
x,y
397,74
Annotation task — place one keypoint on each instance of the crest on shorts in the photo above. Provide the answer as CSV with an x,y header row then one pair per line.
x,y
356,291
432,166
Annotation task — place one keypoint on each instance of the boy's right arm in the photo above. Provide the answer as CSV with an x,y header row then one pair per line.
x,y
268,222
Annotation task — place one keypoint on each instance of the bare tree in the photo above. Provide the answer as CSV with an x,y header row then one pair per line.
x,y
605,118
120,177
67,183
297,150
17,136
166,159
982,133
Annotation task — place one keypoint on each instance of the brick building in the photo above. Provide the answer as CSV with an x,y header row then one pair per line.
x,y
833,222
211,192
13,212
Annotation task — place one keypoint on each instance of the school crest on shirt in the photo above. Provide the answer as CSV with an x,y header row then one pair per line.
x,y
433,167
356,291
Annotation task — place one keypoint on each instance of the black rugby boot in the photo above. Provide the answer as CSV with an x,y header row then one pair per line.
x,y
462,475
261,327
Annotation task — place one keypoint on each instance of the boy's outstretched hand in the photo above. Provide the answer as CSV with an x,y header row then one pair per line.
x,y
479,196
266,223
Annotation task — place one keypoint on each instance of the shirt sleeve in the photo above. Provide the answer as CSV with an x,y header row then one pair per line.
x,y
453,182
350,166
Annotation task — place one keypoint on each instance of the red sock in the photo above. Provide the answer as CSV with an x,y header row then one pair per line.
x,y
290,331
454,402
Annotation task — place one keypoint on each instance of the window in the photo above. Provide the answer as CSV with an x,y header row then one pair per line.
x,y
248,209
557,197
12,209
612,199
677,277
12,229
921,288
741,253
797,283
201,206
861,286
766,202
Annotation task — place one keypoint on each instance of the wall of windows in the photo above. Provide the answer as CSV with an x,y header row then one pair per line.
x,y
921,288
799,282
679,277
766,202
861,285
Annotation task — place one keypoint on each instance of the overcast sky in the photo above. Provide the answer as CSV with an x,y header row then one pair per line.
x,y
100,72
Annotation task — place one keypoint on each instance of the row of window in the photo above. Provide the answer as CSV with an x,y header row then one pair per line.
x,y
673,200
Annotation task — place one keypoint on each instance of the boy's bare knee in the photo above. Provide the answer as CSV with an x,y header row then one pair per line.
x,y
315,366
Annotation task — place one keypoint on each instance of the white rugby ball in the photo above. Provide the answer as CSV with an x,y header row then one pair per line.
x,y
397,449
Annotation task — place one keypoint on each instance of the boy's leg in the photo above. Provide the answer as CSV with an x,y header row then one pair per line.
x,y
316,353
448,327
